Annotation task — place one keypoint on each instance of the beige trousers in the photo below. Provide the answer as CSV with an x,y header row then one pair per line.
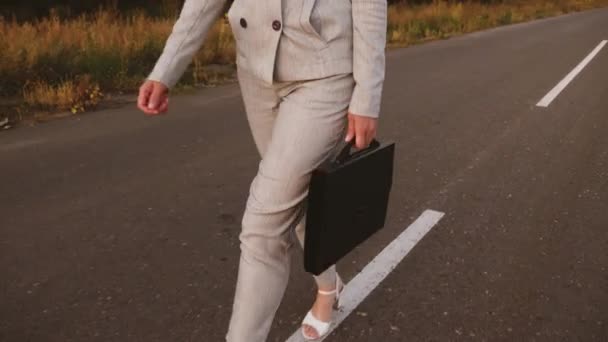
x,y
295,127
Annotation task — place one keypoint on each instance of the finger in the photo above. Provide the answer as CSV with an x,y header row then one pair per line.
x,y
146,110
164,106
360,142
142,103
350,133
155,97
370,130
144,95
360,135
371,134
367,138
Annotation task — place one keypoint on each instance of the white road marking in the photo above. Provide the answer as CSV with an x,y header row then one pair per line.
x,y
546,101
384,263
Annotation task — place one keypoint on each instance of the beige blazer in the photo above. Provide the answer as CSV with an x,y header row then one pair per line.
x,y
289,40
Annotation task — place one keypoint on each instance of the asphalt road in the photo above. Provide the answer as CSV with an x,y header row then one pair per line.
x,y
117,227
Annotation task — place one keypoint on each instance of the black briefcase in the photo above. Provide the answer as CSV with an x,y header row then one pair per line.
x,y
347,203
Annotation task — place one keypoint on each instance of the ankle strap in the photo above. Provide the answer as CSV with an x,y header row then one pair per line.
x,y
327,293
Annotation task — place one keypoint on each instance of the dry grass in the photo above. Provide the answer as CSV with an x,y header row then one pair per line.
x,y
116,52
441,19
55,64
75,96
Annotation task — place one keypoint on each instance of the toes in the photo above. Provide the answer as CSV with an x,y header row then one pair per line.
x,y
310,331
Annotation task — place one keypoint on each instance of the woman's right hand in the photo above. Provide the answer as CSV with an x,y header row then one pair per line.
x,y
153,98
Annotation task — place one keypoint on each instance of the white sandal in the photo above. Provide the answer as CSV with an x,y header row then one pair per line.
x,y
322,328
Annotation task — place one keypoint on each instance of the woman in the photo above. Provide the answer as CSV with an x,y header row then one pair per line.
x,y
309,70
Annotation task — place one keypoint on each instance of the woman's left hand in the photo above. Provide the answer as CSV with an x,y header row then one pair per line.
x,y
362,129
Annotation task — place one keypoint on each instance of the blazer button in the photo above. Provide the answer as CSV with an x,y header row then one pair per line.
x,y
276,25
243,23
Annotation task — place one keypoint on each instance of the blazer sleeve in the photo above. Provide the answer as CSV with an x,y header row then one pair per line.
x,y
186,38
369,42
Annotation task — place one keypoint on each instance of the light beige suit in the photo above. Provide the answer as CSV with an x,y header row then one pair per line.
x,y
302,65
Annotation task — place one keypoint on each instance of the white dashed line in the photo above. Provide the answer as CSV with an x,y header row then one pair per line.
x,y
375,272
546,101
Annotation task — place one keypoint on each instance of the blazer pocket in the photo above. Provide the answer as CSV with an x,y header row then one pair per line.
x,y
305,21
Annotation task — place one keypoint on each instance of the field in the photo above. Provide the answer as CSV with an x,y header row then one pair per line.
x,y
55,65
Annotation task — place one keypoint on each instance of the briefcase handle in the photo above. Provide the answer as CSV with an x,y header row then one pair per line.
x,y
345,155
